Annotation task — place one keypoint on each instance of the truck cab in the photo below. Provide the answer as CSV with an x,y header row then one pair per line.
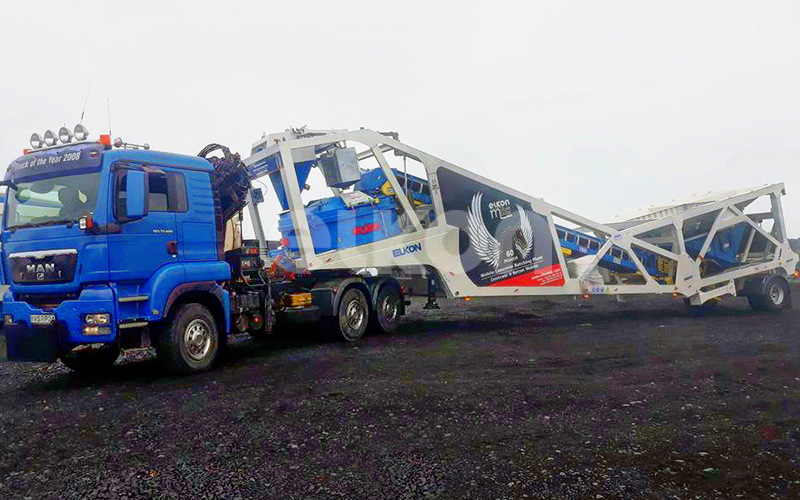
x,y
103,247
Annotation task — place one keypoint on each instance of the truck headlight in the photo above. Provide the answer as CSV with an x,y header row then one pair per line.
x,y
97,319
8,319
96,330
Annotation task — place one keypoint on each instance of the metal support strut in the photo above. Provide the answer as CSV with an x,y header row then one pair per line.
x,y
431,304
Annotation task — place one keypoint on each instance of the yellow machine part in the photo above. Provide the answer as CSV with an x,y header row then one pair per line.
x,y
387,190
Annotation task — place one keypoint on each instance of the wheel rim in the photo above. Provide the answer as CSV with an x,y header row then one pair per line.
x,y
389,309
776,294
355,314
197,339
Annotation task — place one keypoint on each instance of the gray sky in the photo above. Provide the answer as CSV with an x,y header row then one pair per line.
x,y
599,107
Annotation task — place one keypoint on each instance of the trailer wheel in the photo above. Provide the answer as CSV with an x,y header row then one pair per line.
x,y
189,341
353,315
91,361
775,295
387,310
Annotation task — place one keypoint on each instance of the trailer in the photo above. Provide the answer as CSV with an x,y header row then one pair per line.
x,y
477,238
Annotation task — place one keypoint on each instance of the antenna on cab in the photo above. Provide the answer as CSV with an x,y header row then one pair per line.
x,y
108,108
85,102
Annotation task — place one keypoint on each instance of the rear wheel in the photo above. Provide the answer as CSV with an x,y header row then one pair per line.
x,y
189,341
353,315
774,297
387,310
88,361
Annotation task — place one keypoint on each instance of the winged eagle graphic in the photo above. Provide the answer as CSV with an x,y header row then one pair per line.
x,y
518,240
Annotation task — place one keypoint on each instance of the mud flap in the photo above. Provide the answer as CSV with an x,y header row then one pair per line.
x,y
25,343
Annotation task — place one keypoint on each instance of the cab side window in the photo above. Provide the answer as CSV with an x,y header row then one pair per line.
x,y
121,194
166,192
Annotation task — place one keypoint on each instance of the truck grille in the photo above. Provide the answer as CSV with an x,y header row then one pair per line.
x,y
41,267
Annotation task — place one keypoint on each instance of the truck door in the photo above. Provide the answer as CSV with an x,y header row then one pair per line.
x,y
143,246
197,228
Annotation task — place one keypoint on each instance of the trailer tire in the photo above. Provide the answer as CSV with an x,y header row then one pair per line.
x,y
91,361
774,295
388,305
189,340
353,314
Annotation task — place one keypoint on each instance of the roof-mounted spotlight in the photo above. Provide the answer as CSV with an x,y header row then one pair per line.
x,y
119,143
36,141
50,138
65,135
81,132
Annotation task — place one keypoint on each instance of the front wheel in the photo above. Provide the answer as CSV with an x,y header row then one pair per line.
x,y
189,341
353,315
91,361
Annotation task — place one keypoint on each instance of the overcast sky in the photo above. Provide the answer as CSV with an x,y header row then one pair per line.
x,y
599,107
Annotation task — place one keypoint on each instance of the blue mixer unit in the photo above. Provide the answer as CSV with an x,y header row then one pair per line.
x,y
334,226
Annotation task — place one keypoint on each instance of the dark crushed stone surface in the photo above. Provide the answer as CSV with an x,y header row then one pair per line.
x,y
488,399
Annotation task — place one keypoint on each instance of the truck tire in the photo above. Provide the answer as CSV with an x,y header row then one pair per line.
x,y
774,297
353,315
91,361
189,340
386,317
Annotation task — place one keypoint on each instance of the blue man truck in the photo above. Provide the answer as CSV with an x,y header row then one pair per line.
x,y
106,249
128,253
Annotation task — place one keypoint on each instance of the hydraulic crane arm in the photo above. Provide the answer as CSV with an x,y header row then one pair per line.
x,y
230,179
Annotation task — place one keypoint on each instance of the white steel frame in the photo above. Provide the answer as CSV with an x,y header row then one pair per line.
x,y
440,242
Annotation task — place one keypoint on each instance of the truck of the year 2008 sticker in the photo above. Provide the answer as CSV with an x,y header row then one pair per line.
x,y
502,241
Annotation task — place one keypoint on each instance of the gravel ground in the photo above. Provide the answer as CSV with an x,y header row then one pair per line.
x,y
486,399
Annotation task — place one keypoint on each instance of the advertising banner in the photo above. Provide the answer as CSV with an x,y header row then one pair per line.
x,y
502,241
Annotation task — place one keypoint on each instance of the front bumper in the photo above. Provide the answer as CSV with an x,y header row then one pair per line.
x,y
29,342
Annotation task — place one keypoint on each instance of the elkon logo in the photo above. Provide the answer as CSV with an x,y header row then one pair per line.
x,y
513,245
399,252
500,209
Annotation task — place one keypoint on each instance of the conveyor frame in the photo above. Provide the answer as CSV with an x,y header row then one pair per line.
x,y
439,246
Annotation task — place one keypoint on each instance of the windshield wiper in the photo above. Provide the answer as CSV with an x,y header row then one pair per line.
x,y
54,222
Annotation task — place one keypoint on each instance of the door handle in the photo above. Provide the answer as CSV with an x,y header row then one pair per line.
x,y
172,247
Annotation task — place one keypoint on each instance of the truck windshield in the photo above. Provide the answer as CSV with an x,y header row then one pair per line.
x,y
56,200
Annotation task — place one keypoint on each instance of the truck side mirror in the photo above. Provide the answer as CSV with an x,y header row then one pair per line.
x,y
135,199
